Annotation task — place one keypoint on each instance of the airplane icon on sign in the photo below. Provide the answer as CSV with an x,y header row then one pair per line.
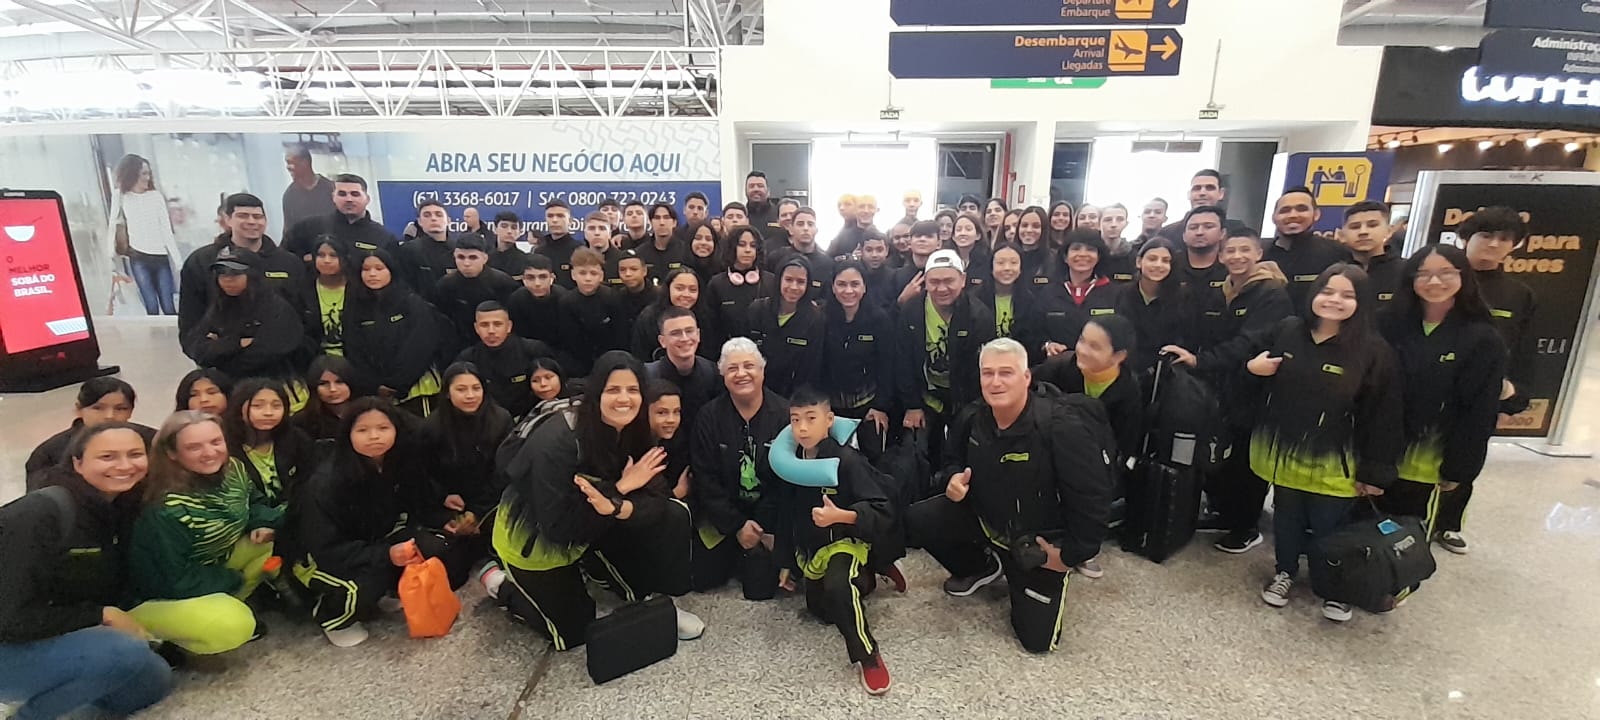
x,y
1128,51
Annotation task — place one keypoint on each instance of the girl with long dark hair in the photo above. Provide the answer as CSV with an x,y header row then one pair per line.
x,y
858,357
461,438
967,239
1038,259
994,219
1012,302
324,298
363,517
549,381
204,390
331,379
946,220
704,242
141,232
1329,430
1156,304
1452,362
1061,223
1008,227
276,455
575,493
1079,293
729,295
392,337
789,330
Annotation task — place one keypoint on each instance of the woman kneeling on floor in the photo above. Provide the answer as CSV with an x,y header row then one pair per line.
x,y
577,502
365,515
64,644
199,544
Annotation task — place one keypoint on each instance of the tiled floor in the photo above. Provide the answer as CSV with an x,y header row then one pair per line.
x,y
1507,632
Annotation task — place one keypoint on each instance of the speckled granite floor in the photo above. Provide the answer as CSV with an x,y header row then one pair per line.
x,y
1507,632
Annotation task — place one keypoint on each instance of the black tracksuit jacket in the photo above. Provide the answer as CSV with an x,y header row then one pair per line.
x,y
860,488
428,261
728,306
590,325
505,371
1045,475
720,441
858,358
273,324
793,350
1061,318
392,337
1306,257
294,456
469,470
281,271
536,318
361,236
458,296
1511,307
971,325
1451,390
560,250
51,584
347,523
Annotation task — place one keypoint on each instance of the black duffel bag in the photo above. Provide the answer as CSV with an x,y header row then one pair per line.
x,y
635,636
1372,562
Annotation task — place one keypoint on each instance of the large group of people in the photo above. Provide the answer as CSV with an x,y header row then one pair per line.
x,y
676,401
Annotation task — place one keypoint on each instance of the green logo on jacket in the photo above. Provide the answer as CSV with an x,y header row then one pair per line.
x,y
1447,357
1014,458
1332,369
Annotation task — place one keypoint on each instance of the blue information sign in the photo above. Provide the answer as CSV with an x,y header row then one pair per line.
x,y
1039,12
527,199
1023,54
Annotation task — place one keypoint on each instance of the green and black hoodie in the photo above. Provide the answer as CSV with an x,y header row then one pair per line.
x,y
182,541
1332,413
860,489
1451,390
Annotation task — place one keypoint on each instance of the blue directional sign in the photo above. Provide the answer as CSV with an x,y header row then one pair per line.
x,y
1023,54
1575,15
1039,12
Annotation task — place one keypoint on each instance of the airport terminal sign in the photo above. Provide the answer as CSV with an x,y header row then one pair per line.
x,y
1028,54
1039,12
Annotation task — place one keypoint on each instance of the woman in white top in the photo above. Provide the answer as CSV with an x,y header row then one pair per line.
x,y
143,244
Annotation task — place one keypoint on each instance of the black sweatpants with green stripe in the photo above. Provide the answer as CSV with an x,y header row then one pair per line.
x,y
343,601
836,598
1413,499
634,560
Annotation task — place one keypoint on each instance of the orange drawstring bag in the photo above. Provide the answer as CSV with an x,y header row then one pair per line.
x,y
431,607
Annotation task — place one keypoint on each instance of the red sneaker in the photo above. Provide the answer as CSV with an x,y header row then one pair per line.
x,y
896,577
875,675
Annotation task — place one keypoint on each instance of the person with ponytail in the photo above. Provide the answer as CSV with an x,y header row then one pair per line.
x,y
577,503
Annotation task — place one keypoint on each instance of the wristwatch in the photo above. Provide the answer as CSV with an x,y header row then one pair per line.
x,y
616,507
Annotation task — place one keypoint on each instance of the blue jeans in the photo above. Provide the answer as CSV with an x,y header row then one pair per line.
x,y
1296,511
153,275
98,666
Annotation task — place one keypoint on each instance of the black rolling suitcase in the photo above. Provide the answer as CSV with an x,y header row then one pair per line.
x,y
633,637
1163,494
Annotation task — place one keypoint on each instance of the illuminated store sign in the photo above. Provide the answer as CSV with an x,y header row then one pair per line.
x,y
1525,89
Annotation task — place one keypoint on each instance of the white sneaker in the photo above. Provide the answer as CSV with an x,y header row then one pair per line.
x,y
1091,568
390,604
347,637
1452,541
690,626
1276,593
492,577
1336,611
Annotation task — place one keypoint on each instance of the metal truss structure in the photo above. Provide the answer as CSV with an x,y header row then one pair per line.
x,y
130,59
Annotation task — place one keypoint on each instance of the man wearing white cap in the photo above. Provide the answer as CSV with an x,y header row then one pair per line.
x,y
941,331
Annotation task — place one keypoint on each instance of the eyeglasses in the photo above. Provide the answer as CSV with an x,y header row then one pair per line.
x,y
684,334
1445,276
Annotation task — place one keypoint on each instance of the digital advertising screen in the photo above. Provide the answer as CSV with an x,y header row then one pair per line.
x,y
41,305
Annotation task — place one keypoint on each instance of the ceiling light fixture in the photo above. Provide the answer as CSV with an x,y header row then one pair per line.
x,y
1533,142
1392,144
1571,147
1444,147
1485,144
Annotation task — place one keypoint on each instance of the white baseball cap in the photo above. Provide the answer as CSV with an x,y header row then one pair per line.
x,y
945,259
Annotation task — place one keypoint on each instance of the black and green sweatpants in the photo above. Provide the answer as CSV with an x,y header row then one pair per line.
x,y
1413,499
343,599
835,598
634,560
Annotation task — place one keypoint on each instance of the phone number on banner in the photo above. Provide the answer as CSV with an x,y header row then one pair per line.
x,y
399,199
514,198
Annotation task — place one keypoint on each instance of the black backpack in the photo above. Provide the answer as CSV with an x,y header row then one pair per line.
x,y
1186,426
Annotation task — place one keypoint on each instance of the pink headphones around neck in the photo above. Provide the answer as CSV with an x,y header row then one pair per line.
x,y
748,277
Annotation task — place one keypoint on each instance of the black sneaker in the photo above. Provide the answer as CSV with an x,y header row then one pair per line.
x,y
1237,542
175,657
964,586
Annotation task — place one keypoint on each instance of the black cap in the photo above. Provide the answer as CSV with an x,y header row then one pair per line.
x,y
234,259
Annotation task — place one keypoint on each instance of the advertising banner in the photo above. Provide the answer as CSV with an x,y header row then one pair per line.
x,y
1541,53
1034,12
1027,54
1556,261
1339,180
579,162
42,305
1425,87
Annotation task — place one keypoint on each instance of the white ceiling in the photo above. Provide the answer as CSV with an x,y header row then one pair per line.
x,y
170,24
1457,23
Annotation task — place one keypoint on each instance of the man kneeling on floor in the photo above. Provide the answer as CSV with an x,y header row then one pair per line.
x,y
1027,496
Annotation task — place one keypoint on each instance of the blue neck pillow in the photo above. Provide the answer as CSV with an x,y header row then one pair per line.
x,y
816,473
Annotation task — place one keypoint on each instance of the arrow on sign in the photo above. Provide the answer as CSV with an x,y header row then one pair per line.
x,y
1167,46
